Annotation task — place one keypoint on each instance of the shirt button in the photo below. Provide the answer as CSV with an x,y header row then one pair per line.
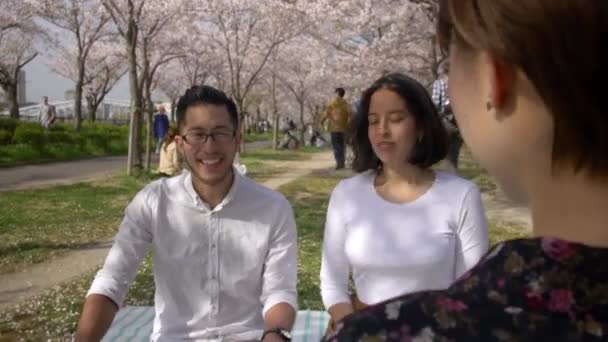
x,y
213,246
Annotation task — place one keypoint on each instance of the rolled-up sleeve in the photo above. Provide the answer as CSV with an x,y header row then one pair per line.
x,y
281,266
334,264
472,232
130,246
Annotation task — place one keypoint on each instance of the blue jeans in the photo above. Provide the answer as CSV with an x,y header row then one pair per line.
x,y
338,145
159,143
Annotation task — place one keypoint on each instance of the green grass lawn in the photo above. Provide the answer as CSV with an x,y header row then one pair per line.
x,y
55,313
253,137
283,155
38,224
470,169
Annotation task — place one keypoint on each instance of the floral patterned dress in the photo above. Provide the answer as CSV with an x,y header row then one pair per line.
x,y
541,289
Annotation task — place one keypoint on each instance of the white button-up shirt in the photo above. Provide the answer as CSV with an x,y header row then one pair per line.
x,y
217,271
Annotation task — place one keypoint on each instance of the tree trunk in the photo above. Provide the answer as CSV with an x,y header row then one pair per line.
x,y
317,119
93,106
136,104
78,97
149,114
11,92
258,118
275,114
302,129
275,130
239,103
173,110
434,59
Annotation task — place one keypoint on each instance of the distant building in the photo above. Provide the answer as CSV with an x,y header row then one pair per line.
x,y
69,94
21,91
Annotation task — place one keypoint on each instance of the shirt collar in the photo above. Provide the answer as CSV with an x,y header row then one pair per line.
x,y
189,186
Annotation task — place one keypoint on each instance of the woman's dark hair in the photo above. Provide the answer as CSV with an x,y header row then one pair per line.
x,y
169,137
433,145
203,94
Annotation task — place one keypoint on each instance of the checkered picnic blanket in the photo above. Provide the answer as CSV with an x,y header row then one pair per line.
x,y
134,323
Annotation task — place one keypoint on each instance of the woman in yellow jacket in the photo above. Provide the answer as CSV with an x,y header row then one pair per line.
x,y
169,165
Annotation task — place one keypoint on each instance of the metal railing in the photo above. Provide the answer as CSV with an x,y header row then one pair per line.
x,y
108,110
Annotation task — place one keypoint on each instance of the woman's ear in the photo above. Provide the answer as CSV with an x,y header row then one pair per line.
x,y
501,81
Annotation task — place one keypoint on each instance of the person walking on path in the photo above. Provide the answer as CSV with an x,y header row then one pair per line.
x,y
46,115
161,126
338,114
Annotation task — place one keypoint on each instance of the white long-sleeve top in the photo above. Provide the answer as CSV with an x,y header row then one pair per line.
x,y
395,249
217,271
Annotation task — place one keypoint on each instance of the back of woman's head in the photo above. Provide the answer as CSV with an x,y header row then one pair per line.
x,y
170,137
430,149
562,48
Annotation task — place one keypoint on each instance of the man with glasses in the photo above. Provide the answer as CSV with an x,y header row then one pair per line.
x,y
224,247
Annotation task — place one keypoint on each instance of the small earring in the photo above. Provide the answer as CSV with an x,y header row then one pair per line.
x,y
489,106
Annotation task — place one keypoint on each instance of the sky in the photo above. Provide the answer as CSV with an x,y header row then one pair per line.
x,y
41,81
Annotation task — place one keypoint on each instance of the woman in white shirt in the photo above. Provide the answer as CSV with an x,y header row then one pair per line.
x,y
398,226
169,165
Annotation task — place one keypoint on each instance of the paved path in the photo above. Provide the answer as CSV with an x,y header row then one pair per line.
x,y
15,287
60,173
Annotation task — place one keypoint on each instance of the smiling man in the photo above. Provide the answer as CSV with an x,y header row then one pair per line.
x,y
224,247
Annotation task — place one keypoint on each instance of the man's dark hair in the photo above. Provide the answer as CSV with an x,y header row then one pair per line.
x,y
203,94
433,146
340,92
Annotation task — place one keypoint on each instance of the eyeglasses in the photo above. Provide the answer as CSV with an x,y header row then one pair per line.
x,y
200,137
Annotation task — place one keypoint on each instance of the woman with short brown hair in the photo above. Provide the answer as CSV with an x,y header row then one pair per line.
x,y
525,83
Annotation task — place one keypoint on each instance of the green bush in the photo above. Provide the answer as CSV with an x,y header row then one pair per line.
x,y
9,125
30,125
29,135
30,142
60,128
97,139
77,139
5,137
59,137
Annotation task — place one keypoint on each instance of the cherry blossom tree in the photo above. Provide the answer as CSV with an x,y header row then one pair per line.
x,y
18,34
17,51
134,19
374,37
104,67
85,24
302,77
156,51
17,14
247,32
